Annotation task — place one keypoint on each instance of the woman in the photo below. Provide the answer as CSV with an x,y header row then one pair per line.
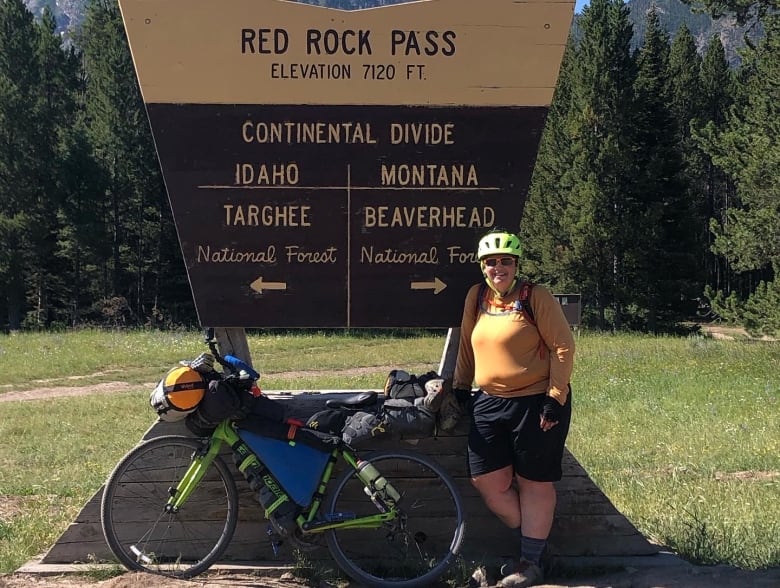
x,y
517,346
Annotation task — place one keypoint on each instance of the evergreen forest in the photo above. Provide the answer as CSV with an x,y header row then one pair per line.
x,y
655,192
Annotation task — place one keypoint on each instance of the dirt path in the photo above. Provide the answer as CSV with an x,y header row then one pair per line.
x,y
42,392
60,391
678,576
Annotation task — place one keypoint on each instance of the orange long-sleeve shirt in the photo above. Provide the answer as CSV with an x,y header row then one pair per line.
x,y
505,355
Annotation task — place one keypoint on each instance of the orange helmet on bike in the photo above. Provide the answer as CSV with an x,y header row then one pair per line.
x,y
178,393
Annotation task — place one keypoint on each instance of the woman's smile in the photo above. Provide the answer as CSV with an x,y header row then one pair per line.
x,y
500,274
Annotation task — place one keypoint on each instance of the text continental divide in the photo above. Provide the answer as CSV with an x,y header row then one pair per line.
x,y
347,132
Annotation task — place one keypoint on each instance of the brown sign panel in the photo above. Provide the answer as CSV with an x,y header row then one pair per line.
x,y
572,307
329,168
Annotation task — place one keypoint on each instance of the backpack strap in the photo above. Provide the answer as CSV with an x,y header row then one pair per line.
x,y
528,312
525,301
480,296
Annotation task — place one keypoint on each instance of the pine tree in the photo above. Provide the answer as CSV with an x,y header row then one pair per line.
x,y
749,150
717,88
663,264
135,210
686,99
543,234
599,213
20,188
81,232
686,104
55,111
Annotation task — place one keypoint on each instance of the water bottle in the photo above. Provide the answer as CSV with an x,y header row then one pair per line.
x,y
376,485
248,464
279,508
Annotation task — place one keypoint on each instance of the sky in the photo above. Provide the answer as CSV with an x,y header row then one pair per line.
x,y
580,5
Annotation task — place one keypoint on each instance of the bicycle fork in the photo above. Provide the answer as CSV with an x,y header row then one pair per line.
x,y
201,461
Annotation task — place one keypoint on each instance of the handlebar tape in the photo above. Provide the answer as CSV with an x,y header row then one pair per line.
x,y
239,364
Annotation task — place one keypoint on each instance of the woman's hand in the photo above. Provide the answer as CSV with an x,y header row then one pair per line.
x,y
551,413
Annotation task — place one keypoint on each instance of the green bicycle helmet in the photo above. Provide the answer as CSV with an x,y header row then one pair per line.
x,y
498,243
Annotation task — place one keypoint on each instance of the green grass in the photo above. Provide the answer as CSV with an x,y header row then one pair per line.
x,y
663,425
73,358
55,454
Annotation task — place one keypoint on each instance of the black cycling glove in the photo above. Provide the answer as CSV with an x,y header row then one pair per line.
x,y
551,410
463,395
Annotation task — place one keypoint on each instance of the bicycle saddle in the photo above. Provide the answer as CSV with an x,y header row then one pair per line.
x,y
354,401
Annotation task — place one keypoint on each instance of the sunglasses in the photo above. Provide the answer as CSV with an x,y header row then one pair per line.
x,y
505,261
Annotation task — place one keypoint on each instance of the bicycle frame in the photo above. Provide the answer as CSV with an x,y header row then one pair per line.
x,y
224,433
310,526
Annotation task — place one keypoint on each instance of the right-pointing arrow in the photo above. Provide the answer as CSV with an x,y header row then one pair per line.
x,y
258,285
437,285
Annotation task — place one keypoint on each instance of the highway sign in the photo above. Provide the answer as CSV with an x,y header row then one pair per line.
x,y
334,169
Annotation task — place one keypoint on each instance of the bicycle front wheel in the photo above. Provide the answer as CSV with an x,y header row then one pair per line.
x,y
418,546
137,528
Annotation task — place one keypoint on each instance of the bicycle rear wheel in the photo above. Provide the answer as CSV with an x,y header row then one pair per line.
x,y
418,546
137,528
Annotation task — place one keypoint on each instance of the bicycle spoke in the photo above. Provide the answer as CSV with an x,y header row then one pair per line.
x,y
137,527
415,548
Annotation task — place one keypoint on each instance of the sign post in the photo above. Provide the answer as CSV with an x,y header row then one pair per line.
x,y
331,168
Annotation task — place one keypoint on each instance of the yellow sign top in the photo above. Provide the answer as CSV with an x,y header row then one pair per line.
x,y
434,52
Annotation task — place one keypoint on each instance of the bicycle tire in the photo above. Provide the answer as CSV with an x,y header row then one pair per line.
x,y
417,548
138,530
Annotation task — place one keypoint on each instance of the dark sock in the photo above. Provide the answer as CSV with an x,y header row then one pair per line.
x,y
532,549
518,536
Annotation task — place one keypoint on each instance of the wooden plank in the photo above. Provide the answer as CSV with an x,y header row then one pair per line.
x,y
587,525
601,545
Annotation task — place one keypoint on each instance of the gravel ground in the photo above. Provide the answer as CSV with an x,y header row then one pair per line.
x,y
681,575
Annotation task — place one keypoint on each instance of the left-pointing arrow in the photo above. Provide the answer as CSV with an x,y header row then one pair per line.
x,y
259,285
437,285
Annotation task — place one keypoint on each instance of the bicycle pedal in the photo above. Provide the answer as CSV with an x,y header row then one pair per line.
x,y
275,539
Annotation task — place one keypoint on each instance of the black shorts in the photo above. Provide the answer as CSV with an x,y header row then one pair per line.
x,y
506,431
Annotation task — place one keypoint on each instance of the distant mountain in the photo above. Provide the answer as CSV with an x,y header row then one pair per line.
x,y
69,13
673,13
